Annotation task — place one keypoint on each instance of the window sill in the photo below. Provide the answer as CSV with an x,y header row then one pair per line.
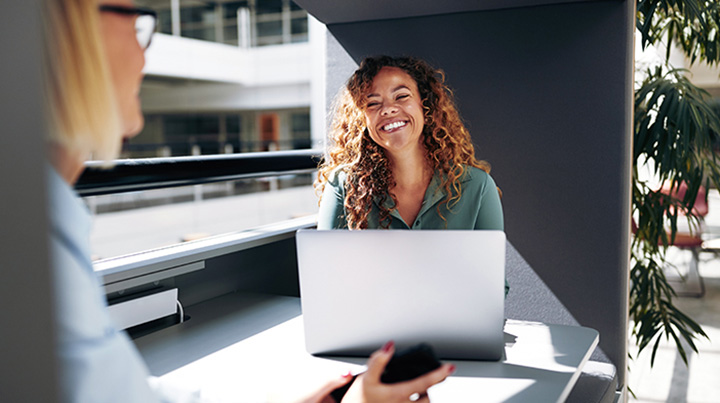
x,y
156,264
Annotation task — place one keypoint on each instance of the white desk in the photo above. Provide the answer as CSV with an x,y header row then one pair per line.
x,y
541,365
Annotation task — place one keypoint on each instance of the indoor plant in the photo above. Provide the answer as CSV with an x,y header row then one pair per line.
x,y
675,133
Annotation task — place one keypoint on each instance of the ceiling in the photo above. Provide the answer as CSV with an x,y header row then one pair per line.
x,y
346,11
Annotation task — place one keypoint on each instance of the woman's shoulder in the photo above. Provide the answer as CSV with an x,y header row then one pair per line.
x,y
337,176
476,175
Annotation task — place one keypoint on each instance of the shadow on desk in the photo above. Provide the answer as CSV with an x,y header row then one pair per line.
x,y
213,327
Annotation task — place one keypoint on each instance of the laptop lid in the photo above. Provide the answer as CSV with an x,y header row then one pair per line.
x,y
360,289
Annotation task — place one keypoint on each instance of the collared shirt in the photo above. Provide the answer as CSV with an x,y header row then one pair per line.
x,y
98,363
479,206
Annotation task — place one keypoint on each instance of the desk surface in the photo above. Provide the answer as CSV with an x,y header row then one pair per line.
x,y
253,351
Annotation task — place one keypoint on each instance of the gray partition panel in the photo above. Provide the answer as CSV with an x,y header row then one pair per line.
x,y
547,95
27,325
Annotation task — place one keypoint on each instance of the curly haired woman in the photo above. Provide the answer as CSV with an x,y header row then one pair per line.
x,y
400,156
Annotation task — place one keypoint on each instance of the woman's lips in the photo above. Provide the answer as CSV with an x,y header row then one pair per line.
x,y
390,127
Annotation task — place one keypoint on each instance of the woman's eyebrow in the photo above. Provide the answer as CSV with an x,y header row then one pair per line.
x,y
398,88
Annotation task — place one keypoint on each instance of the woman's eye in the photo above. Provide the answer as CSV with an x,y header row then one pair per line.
x,y
372,104
403,96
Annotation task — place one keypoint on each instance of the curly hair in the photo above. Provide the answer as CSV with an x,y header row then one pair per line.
x,y
448,146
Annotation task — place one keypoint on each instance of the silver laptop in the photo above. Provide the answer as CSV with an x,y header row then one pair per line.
x,y
361,289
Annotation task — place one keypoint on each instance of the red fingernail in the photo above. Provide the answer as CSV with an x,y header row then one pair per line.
x,y
388,346
452,368
348,375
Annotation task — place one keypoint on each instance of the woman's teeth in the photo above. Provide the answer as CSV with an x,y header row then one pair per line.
x,y
393,126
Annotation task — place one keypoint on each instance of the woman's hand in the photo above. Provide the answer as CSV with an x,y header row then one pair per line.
x,y
367,388
322,395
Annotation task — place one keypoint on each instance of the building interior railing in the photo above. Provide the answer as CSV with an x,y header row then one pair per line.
x,y
156,173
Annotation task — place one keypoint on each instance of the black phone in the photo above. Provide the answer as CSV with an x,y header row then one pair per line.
x,y
409,363
405,364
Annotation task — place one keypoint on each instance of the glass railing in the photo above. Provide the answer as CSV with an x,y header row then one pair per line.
x,y
143,204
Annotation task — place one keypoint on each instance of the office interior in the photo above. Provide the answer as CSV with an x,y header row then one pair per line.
x,y
544,86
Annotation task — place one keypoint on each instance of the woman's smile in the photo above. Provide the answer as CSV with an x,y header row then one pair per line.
x,y
394,126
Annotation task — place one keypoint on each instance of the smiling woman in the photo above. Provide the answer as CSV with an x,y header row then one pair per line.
x,y
400,157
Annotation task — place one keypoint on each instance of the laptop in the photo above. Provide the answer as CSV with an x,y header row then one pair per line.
x,y
360,289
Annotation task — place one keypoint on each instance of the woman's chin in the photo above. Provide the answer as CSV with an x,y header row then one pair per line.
x,y
133,126
395,146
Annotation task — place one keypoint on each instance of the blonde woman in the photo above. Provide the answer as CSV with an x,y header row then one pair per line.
x,y
94,60
94,54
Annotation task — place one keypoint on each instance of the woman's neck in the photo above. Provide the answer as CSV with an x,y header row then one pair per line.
x,y
410,170
69,165
412,177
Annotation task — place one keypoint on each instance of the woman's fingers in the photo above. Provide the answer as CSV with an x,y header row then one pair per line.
x,y
422,383
322,395
368,388
377,362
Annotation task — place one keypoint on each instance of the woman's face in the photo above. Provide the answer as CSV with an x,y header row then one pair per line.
x,y
393,112
126,59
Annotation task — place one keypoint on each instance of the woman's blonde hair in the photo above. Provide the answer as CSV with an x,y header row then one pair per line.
x,y
80,100
448,146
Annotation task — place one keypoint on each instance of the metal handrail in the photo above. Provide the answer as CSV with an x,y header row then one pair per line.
x,y
155,173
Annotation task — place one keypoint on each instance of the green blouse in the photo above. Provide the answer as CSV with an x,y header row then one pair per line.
x,y
479,206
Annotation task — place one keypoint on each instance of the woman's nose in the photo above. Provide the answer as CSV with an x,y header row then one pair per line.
x,y
388,109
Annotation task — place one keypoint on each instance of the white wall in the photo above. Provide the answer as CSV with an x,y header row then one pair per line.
x,y
187,75
184,58
214,97
317,34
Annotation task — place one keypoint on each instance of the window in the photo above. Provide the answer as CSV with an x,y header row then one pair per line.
x,y
271,22
198,22
166,135
206,116
131,222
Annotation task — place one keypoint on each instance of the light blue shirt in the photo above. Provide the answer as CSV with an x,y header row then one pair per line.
x,y
98,363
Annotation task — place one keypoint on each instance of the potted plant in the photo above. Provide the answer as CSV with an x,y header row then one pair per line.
x,y
675,133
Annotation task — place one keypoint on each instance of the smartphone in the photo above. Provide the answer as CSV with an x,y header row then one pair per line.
x,y
405,364
409,363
